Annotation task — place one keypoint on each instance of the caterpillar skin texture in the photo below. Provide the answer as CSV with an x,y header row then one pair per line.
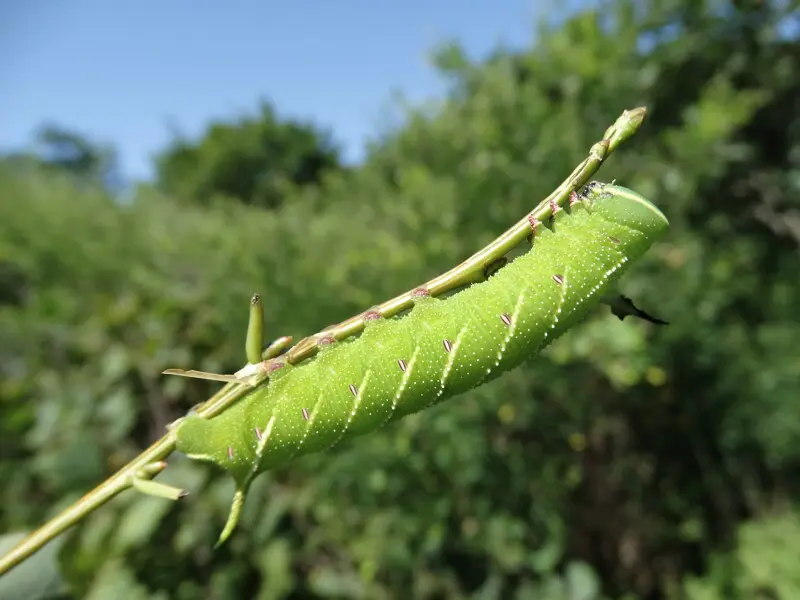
x,y
441,348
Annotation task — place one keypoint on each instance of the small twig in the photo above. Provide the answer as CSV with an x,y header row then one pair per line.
x,y
140,471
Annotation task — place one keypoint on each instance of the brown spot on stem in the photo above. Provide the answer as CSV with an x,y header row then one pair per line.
x,y
574,198
554,207
273,365
534,223
326,340
559,279
420,292
506,319
372,315
448,346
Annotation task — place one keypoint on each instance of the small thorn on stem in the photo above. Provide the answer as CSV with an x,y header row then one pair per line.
x,y
193,374
152,469
278,347
156,489
600,150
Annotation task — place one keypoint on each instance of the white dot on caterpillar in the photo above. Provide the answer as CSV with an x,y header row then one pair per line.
x,y
448,346
306,416
259,435
402,364
506,318
353,389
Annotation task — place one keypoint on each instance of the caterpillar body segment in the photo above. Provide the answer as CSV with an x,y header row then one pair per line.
x,y
442,348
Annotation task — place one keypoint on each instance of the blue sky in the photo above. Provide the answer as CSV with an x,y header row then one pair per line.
x,y
125,72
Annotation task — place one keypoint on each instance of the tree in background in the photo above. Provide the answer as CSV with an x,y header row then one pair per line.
x,y
254,159
60,149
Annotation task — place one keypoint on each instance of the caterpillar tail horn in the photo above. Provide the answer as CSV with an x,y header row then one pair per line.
x,y
622,306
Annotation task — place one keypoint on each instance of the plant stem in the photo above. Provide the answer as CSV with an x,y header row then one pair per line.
x,y
150,462
472,269
143,467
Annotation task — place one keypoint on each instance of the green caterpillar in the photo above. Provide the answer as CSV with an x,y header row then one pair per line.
x,y
442,348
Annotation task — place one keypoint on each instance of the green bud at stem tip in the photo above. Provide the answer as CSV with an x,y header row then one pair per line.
x,y
255,330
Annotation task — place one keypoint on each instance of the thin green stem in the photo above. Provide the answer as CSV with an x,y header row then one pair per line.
x,y
151,462
472,269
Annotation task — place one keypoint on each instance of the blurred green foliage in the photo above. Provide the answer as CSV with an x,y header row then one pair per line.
x,y
625,462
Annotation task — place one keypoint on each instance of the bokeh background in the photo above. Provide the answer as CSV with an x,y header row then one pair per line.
x,y
626,462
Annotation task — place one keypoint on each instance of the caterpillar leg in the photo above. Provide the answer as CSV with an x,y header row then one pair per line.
x,y
233,515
